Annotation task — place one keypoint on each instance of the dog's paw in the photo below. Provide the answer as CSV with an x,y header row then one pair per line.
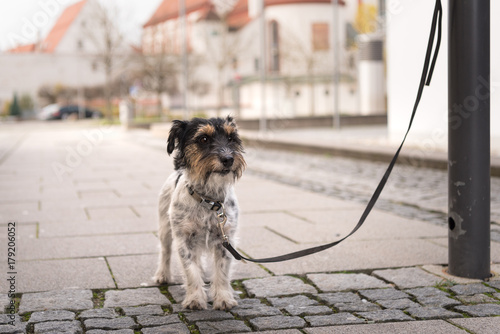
x,y
194,304
161,278
225,304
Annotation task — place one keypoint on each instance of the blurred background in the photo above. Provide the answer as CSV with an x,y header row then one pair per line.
x,y
163,59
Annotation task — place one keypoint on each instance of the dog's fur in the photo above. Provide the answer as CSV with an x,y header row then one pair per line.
x,y
209,158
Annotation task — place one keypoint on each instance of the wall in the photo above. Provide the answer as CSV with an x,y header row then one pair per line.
x,y
408,26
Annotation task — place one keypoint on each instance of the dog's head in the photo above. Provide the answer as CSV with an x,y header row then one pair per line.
x,y
206,147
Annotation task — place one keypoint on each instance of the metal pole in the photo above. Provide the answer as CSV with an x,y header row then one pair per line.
x,y
185,76
469,138
262,33
336,63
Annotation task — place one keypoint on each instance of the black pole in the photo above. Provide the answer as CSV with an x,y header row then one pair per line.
x,y
469,138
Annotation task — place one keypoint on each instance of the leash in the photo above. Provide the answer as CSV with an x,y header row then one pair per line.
x,y
429,63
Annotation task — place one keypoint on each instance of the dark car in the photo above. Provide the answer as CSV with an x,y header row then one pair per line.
x,y
72,111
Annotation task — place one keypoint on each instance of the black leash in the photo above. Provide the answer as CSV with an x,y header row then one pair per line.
x,y
424,80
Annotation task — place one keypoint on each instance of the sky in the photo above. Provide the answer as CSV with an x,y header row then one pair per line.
x,y
17,18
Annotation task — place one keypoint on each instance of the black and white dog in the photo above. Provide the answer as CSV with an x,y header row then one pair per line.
x,y
208,161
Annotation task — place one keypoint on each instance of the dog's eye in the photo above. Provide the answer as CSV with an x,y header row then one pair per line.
x,y
230,138
203,140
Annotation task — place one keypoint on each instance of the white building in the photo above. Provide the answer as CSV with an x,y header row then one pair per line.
x,y
66,56
299,54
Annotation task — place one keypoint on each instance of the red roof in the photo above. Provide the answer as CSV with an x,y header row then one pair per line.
x,y
61,26
169,9
23,49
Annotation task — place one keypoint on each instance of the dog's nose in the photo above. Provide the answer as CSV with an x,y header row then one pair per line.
x,y
227,160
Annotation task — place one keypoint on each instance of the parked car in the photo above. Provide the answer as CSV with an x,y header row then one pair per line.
x,y
48,111
70,111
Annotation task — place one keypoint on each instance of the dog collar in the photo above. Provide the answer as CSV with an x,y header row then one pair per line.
x,y
206,202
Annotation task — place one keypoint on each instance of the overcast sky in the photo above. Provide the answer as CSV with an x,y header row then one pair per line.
x,y
17,16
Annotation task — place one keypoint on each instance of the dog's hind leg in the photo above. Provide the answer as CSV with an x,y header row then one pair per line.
x,y
220,289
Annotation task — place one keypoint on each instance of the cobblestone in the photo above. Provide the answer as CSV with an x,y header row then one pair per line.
x,y
155,320
426,292
57,315
75,300
135,297
438,301
399,304
476,299
143,310
427,313
383,294
107,313
117,323
226,326
411,192
277,286
385,316
343,282
333,319
407,277
73,327
277,322
471,289
173,328
480,310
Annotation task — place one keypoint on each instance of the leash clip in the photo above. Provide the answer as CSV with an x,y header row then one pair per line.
x,y
222,222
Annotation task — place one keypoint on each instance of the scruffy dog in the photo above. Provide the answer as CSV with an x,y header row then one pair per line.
x,y
194,199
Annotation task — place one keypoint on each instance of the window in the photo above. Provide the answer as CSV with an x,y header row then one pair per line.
x,y
320,40
274,47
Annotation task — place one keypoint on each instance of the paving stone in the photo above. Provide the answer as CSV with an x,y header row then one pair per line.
x,y
407,277
479,325
480,310
7,318
74,300
426,292
343,282
385,316
155,320
208,315
177,292
277,322
297,301
383,294
471,289
339,297
431,312
438,301
495,284
343,318
277,286
73,327
497,295
256,311
476,299
118,331
4,301
143,310
225,326
177,328
361,306
399,304
19,327
56,315
107,313
248,303
308,310
135,297
117,323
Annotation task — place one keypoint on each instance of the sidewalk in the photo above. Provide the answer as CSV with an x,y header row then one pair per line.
x,y
84,200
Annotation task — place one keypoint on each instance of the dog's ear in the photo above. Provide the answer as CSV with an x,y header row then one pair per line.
x,y
176,134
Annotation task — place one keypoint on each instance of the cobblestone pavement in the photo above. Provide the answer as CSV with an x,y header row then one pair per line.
x,y
411,192
294,304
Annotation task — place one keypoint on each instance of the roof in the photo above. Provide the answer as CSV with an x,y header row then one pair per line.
x,y
61,26
23,48
239,15
169,9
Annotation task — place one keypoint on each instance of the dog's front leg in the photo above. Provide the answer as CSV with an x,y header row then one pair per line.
x,y
220,289
196,297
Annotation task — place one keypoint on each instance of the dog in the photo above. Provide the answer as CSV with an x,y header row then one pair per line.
x,y
194,200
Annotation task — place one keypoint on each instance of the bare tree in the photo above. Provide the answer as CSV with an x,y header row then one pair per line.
x,y
108,42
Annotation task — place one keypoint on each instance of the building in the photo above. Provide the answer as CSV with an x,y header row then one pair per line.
x,y
225,54
68,56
